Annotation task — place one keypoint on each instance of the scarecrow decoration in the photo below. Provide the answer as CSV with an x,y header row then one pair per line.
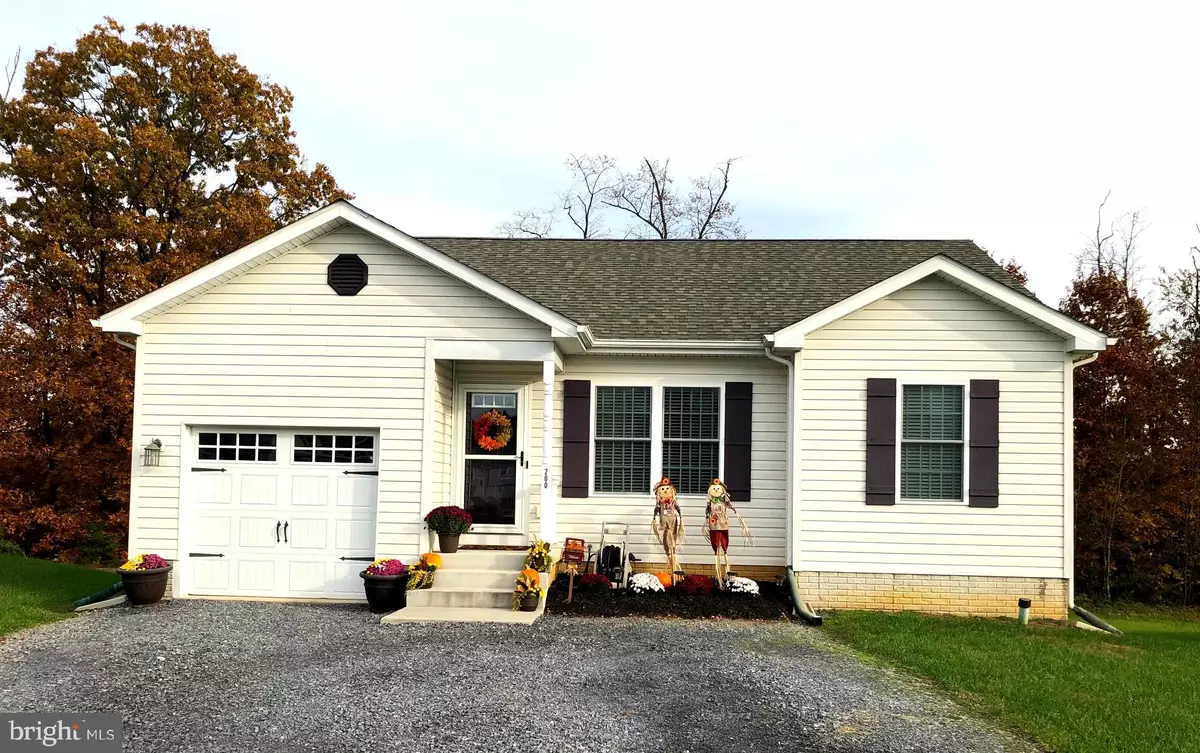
x,y
667,525
716,527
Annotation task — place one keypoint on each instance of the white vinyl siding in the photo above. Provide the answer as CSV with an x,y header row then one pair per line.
x,y
277,347
932,332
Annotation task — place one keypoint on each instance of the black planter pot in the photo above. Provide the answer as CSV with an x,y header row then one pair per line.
x,y
448,542
385,593
529,602
145,587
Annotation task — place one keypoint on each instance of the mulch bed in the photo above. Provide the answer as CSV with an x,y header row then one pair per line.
x,y
772,603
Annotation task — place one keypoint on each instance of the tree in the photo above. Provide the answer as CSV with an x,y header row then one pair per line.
x,y
126,162
1180,293
647,199
1112,248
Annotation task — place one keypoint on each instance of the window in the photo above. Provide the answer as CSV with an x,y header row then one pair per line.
x,y
691,437
931,442
622,440
223,445
334,448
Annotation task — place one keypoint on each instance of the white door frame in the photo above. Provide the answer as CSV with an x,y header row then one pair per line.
x,y
458,451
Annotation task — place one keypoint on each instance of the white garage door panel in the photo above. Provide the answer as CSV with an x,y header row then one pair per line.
x,y
275,510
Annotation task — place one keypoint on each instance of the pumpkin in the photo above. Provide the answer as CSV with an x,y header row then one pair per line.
x,y
530,573
432,559
665,579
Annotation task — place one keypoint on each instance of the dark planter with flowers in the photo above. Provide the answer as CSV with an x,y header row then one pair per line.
x,y
386,585
449,522
145,579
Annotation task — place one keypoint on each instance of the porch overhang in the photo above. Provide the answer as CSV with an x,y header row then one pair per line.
x,y
497,350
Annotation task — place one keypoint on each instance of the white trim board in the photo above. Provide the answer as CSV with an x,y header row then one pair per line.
x,y
1078,338
128,318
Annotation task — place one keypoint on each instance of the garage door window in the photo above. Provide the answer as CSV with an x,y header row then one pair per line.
x,y
334,448
250,447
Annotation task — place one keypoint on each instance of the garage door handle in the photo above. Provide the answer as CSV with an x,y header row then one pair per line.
x,y
208,470
357,559
277,532
203,554
360,473
285,525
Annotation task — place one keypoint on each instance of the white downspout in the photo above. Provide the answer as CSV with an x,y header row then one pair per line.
x,y
1069,463
789,443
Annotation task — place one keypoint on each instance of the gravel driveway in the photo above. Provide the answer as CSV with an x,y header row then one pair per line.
x,y
237,676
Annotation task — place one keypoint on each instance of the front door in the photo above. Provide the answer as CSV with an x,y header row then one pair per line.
x,y
493,460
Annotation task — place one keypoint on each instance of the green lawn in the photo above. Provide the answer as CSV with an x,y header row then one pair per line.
x,y
1071,690
34,591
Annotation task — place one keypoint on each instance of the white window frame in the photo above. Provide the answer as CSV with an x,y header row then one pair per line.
x,y
965,441
256,432
656,385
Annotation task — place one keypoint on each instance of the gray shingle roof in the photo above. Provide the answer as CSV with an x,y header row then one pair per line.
x,y
698,290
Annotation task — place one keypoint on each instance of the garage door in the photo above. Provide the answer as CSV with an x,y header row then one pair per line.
x,y
281,512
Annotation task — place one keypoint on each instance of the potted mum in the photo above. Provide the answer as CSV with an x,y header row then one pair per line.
x,y
145,579
527,591
386,584
449,522
420,573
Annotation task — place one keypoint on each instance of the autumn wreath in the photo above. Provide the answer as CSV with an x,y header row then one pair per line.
x,y
493,431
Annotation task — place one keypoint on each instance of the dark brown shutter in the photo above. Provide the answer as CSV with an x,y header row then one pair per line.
x,y
881,441
739,408
984,460
577,436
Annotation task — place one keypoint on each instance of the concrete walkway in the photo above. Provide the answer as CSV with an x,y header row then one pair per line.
x,y
238,676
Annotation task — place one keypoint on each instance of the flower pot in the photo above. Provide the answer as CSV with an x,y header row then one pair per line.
x,y
448,542
385,593
143,587
529,602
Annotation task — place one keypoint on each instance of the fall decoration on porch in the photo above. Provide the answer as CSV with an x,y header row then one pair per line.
x,y
420,573
716,527
448,522
667,523
386,584
666,579
538,556
492,431
145,578
527,591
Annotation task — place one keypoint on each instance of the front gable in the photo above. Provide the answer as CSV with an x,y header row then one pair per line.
x,y
338,217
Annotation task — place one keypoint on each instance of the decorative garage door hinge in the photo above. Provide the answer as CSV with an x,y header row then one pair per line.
x,y
360,473
203,554
358,559
208,470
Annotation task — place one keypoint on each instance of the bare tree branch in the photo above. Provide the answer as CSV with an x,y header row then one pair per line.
x,y
528,223
594,180
10,74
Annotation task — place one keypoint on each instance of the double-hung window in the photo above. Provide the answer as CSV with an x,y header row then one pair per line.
x,y
691,437
644,433
622,438
932,449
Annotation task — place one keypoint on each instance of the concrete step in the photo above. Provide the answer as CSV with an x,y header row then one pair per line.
x,y
444,614
453,578
472,597
484,559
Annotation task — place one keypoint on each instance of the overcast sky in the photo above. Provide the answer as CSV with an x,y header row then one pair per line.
x,y
1006,129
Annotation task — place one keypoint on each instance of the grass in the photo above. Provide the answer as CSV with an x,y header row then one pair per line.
x,y
1071,690
33,591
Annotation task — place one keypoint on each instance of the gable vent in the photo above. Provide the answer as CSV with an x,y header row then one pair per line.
x,y
347,274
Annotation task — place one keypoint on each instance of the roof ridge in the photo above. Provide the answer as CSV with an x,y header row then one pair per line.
x,y
691,240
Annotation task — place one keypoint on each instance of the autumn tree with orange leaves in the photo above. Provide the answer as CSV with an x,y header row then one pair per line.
x,y
125,163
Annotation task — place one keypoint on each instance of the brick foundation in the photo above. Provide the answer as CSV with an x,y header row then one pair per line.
x,y
983,596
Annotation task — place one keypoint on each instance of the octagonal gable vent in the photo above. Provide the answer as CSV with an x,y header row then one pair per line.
x,y
347,274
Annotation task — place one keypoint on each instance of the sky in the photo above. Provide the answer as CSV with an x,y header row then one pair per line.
x,y
938,122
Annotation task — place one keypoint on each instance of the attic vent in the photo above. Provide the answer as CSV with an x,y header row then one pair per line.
x,y
347,274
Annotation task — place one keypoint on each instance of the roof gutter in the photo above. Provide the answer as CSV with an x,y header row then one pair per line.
x,y
673,347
